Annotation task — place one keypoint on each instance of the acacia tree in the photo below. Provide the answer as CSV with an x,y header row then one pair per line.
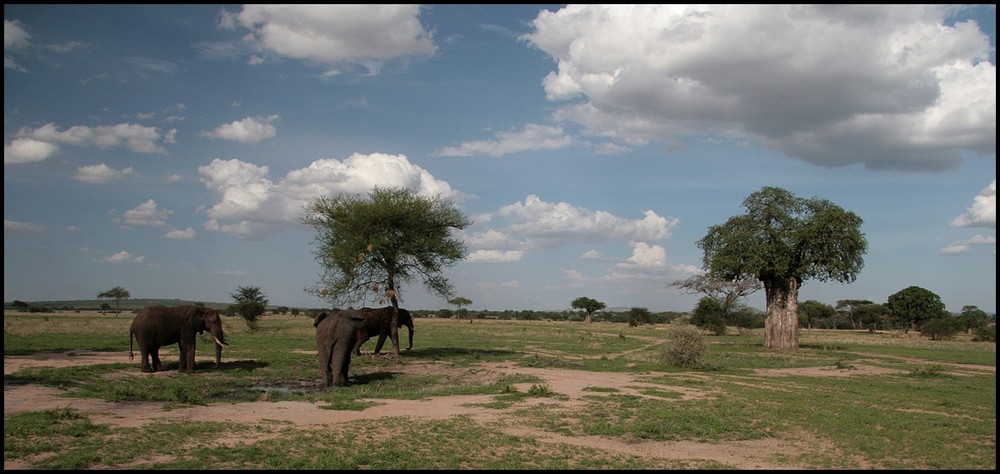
x,y
782,241
460,301
588,305
376,243
118,294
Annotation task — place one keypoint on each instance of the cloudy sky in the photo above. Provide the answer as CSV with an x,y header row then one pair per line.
x,y
169,150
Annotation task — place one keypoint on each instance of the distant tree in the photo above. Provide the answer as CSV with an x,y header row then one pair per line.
x,y
847,307
588,305
105,308
461,301
19,305
940,328
973,318
295,311
812,311
376,243
251,303
637,316
782,241
873,316
914,305
118,294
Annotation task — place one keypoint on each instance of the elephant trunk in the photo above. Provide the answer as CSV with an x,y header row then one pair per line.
x,y
218,353
411,338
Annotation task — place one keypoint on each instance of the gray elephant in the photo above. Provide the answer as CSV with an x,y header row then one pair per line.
x,y
158,326
378,321
336,334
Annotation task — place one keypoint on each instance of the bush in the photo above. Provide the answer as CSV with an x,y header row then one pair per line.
x,y
686,348
939,329
987,333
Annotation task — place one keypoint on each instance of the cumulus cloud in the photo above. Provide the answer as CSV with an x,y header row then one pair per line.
x,y
100,174
495,256
15,40
543,220
122,257
248,130
884,86
533,137
26,150
334,34
146,214
963,246
176,234
983,212
138,138
251,205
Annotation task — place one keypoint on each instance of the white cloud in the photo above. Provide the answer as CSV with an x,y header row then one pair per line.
x,y
963,246
137,138
533,137
186,234
26,150
495,256
15,39
248,130
122,257
983,212
147,214
251,205
646,256
335,34
557,221
890,83
14,227
100,174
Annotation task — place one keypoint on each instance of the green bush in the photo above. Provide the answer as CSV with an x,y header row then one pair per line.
x,y
686,348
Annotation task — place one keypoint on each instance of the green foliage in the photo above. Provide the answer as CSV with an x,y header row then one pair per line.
x,y
588,305
913,305
942,328
709,315
118,294
812,312
251,303
638,316
375,243
686,348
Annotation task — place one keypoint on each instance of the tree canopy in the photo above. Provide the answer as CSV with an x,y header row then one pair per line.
x,y
371,245
118,294
782,241
251,302
914,305
588,305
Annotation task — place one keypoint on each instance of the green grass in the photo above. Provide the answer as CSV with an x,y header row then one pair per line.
x,y
921,410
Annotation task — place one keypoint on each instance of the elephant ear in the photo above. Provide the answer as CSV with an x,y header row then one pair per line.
x,y
195,318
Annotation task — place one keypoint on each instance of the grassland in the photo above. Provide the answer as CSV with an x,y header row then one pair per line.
x,y
844,400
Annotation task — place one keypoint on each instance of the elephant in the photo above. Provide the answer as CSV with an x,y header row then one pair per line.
x,y
158,326
378,321
336,334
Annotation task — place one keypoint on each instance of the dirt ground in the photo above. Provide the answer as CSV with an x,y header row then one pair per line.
x,y
741,455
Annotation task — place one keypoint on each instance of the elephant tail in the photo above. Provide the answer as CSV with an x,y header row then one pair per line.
x,y
131,332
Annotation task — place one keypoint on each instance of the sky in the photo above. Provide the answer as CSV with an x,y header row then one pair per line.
x,y
170,149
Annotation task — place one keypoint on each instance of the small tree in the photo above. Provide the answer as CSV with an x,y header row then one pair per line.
x,y
376,243
973,318
461,301
782,241
251,303
118,294
588,305
686,348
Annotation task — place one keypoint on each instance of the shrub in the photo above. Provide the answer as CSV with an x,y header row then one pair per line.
x,y
686,348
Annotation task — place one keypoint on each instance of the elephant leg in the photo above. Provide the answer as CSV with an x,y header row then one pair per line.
x,y
144,355
380,343
157,364
325,369
344,367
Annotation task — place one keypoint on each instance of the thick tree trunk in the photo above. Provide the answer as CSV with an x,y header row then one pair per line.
x,y
394,330
781,330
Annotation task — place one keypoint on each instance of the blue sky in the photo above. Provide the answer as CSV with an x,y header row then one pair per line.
x,y
169,149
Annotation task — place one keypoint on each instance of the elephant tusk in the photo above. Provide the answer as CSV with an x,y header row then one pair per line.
x,y
218,342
